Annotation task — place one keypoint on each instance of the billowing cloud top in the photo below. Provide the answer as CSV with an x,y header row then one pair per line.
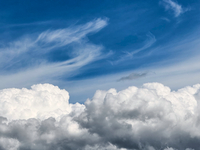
x,y
41,101
148,118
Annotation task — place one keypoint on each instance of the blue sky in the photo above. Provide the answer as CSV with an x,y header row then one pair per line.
x,y
83,46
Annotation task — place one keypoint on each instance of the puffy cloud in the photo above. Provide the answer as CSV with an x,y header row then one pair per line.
x,y
136,118
148,118
41,101
46,134
9,143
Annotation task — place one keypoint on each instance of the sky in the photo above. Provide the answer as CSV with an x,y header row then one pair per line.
x,y
66,67
80,45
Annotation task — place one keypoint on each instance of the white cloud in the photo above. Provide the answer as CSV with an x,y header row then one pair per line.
x,y
41,101
175,7
31,71
65,36
152,114
146,118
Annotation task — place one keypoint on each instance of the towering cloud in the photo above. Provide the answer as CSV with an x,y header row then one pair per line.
x,y
148,118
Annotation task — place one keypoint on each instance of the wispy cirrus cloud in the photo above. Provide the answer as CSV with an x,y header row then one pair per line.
x,y
173,6
150,40
165,19
63,37
27,59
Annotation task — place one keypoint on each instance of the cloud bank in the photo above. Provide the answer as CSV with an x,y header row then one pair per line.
x,y
148,118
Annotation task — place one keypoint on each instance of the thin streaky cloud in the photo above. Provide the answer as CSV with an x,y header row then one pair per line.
x,y
65,36
3,25
151,39
165,19
46,72
49,41
82,53
175,7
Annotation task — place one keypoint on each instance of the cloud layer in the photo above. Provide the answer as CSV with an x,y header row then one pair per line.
x,y
150,117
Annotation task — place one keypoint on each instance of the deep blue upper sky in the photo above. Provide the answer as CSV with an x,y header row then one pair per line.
x,y
64,42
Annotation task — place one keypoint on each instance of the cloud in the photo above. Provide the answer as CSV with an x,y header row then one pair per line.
x,y
63,37
41,101
151,117
129,55
133,76
165,19
175,7
18,58
151,39
9,143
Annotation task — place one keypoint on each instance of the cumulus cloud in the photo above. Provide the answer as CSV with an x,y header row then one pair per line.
x,y
9,143
41,101
173,6
151,117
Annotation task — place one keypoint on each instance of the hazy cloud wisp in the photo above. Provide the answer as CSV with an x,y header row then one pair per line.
x,y
18,64
150,40
175,7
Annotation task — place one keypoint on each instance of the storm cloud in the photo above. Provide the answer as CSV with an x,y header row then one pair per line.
x,y
151,117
